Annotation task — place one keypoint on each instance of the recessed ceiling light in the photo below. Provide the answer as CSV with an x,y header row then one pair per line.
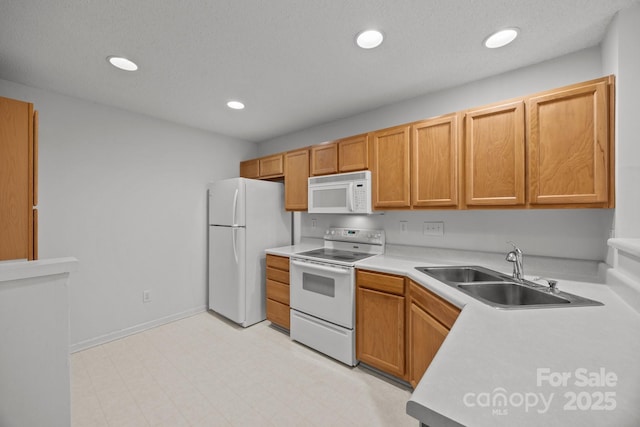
x,y
235,105
501,38
369,39
122,63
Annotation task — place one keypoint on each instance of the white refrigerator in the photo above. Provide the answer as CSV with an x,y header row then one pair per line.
x,y
246,216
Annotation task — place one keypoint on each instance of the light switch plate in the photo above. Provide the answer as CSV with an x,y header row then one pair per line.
x,y
433,228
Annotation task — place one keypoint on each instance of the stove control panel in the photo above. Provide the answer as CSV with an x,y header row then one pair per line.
x,y
355,235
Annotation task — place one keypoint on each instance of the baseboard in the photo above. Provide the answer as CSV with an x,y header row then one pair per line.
x,y
112,336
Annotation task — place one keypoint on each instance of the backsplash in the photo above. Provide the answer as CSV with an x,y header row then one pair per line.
x,y
562,233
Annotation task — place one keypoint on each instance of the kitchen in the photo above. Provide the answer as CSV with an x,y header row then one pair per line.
x,y
111,179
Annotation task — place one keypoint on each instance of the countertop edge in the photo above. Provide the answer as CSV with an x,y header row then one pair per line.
x,y
18,270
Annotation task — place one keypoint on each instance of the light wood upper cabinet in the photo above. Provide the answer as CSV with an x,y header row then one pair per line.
x,y
569,152
380,321
264,167
391,165
18,180
296,180
495,155
272,166
250,169
324,159
353,153
434,160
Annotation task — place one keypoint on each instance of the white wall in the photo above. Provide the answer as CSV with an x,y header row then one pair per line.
x,y
572,68
620,55
573,233
126,195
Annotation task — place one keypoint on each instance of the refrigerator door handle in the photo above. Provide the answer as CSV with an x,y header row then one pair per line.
x,y
234,237
235,207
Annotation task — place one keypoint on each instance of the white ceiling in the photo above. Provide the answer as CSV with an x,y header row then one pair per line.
x,y
293,62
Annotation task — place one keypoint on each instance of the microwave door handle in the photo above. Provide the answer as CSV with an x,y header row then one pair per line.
x,y
350,198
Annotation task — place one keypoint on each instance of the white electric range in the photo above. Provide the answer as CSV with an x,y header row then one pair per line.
x,y
322,286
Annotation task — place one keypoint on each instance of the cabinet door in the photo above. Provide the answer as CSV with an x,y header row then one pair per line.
x,y
324,159
353,153
17,180
391,178
426,335
568,134
296,180
277,290
271,166
434,154
494,155
250,169
380,330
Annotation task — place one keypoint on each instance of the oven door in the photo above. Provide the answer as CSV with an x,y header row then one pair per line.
x,y
323,290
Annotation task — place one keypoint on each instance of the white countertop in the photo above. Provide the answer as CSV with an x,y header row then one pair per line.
x,y
23,269
491,354
305,245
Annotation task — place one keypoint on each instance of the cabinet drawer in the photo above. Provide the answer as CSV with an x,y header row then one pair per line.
x,y
278,275
279,262
443,311
380,282
278,291
278,313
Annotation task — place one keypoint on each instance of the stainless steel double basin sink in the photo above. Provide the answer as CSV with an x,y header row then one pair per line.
x,y
502,291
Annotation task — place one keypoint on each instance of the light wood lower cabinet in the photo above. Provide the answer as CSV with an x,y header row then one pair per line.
x,y
429,320
380,321
278,290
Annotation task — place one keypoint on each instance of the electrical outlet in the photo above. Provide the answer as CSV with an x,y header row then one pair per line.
x,y
433,228
404,226
146,296
314,223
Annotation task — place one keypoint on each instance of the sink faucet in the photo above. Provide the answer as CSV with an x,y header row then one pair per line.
x,y
515,256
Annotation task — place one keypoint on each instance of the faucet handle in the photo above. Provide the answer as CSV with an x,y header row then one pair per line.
x,y
553,284
515,248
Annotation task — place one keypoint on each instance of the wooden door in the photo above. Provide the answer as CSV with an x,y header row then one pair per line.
x,y
271,166
426,335
296,180
434,160
568,131
250,169
380,330
495,155
17,180
324,159
353,153
391,167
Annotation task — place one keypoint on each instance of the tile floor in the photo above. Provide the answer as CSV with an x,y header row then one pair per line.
x,y
205,371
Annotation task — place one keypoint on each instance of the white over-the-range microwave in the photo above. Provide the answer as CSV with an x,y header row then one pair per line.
x,y
344,193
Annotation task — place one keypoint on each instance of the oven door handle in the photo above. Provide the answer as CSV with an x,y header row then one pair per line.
x,y
321,267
